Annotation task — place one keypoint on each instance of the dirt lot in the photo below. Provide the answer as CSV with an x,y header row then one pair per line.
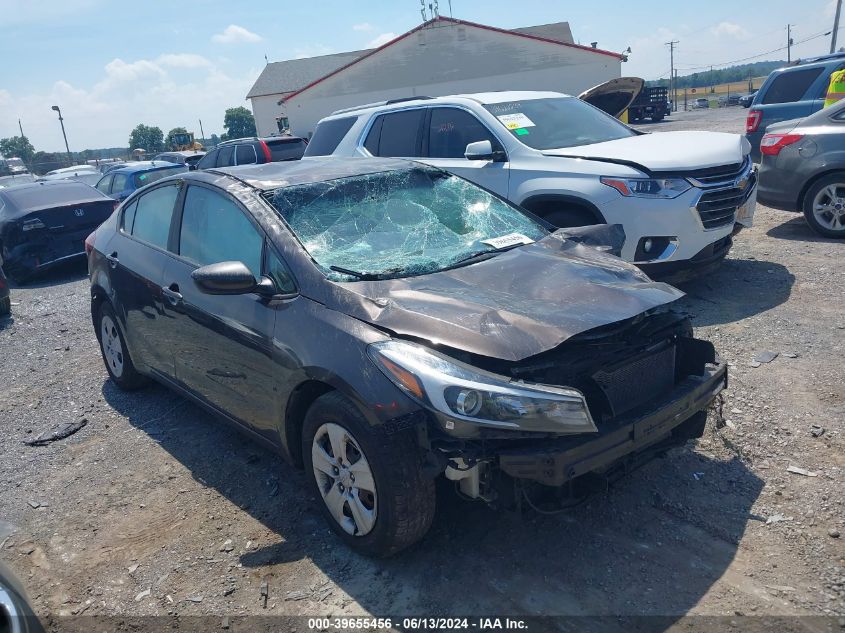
x,y
153,508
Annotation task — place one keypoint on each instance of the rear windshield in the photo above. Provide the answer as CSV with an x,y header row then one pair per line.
x,y
399,223
286,150
557,122
60,194
145,178
328,136
791,85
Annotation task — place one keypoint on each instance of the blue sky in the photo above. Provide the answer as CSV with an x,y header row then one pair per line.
x,y
111,65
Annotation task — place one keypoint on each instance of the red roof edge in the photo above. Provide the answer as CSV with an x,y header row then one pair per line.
x,y
495,29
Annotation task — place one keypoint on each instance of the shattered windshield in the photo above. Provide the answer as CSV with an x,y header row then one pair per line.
x,y
557,122
399,223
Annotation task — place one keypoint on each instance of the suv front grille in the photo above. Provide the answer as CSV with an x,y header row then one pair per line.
x,y
721,175
718,207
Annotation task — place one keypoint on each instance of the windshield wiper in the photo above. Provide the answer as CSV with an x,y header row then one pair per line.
x,y
355,273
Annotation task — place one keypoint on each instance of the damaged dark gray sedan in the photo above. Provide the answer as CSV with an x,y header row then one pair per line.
x,y
382,324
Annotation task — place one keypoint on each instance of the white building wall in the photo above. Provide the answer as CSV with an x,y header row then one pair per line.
x,y
265,110
447,59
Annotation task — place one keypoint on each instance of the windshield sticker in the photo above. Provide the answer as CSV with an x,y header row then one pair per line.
x,y
142,177
511,239
521,131
515,120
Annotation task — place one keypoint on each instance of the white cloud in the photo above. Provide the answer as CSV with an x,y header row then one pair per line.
x,y
382,39
730,29
161,92
364,26
234,34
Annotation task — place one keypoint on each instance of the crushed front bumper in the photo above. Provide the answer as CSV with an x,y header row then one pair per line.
x,y
556,462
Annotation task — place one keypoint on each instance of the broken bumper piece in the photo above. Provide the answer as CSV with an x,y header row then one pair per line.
x,y
555,462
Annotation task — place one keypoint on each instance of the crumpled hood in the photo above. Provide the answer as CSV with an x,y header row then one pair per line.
x,y
665,151
512,306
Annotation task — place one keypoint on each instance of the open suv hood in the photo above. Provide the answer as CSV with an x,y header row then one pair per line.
x,y
512,306
664,151
614,96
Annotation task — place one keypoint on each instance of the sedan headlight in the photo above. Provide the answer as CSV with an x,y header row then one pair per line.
x,y
474,395
648,187
31,225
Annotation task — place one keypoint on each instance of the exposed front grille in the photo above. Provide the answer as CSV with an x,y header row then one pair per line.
x,y
717,175
638,382
718,207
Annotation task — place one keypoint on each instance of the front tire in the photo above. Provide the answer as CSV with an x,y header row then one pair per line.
x,y
369,484
115,353
824,206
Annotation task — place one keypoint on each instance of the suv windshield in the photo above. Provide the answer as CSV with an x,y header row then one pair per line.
x,y
399,223
557,122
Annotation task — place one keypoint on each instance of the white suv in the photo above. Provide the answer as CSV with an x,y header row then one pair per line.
x,y
678,195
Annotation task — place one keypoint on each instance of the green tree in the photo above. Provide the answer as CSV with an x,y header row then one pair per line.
x,y
239,123
18,146
176,130
149,138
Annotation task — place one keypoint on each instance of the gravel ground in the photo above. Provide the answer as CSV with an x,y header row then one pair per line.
x,y
153,508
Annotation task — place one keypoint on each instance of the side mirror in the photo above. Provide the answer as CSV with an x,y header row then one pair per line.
x,y
483,150
225,278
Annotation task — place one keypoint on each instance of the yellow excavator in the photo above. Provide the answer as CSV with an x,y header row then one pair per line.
x,y
184,143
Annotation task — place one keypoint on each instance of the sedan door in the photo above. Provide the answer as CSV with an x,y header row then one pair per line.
x,y
222,344
137,255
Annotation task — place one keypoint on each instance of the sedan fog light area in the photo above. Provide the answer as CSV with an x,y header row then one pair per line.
x,y
474,395
648,187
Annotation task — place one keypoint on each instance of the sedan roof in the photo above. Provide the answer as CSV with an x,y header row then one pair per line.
x,y
48,194
144,165
310,170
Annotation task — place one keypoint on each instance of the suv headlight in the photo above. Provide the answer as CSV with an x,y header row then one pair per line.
x,y
474,395
648,187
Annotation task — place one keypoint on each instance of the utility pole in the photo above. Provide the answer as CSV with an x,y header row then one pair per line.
x,y
202,134
62,122
788,43
671,46
21,128
835,27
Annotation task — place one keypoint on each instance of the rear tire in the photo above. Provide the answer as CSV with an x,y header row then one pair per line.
x,y
115,353
338,442
820,206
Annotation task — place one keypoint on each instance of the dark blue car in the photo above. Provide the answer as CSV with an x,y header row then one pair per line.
x,y
121,182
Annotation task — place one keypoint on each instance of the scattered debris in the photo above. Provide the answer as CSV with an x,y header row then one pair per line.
x,y
777,518
225,623
34,504
196,599
784,588
144,594
132,568
265,592
801,471
297,595
765,357
789,354
736,411
227,546
754,364
816,430
833,533
698,475
60,433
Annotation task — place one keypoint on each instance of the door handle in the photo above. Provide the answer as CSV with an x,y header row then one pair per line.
x,y
172,294
113,260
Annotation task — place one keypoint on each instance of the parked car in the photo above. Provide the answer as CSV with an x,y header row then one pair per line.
x,y
251,151
790,93
5,297
120,182
382,323
803,169
746,100
81,173
572,165
728,100
701,103
189,158
44,223
16,179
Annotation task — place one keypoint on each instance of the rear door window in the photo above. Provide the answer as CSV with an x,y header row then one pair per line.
x,y
153,214
399,134
104,184
208,161
119,183
451,130
245,155
226,157
791,85
328,136
215,229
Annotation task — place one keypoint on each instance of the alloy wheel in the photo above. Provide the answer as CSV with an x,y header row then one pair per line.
x,y
344,479
112,348
829,207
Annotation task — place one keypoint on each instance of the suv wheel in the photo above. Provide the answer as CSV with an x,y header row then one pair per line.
x,y
115,353
824,206
370,484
